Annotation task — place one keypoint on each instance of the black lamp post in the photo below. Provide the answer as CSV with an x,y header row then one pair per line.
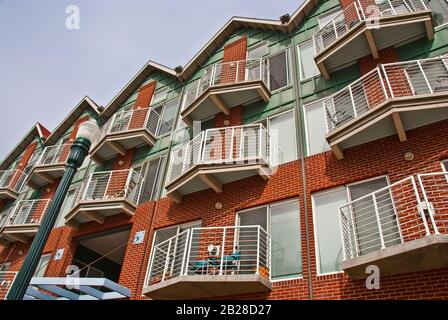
x,y
87,134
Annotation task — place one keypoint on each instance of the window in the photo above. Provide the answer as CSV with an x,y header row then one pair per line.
x,y
42,265
445,165
327,228
327,18
166,233
308,67
257,52
279,70
439,9
327,225
159,96
5,266
67,205
282,222
316,127
167,113
152,173
87,271
283,132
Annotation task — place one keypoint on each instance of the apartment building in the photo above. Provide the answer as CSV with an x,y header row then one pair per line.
x,y
283,161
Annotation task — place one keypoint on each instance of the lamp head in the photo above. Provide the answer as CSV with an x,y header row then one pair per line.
x,y
88,130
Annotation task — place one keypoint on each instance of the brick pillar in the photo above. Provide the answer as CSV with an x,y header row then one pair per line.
x,y
136,260
235,51
144,97
397,77
66,149
22,164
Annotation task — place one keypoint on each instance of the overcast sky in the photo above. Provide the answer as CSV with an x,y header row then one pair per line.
x,y
45,69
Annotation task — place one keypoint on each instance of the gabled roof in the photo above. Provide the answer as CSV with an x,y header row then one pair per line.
x,y
210,47
133,85
85,104
37,131
241,22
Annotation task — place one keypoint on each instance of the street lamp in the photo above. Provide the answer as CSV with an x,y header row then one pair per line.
x,y
87,134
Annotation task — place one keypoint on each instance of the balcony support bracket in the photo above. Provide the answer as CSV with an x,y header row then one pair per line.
x,y
429,30
117,147
19,237
212,182
49,179
338,152
372,44
323,71
95,216
216,99
399,126
175,196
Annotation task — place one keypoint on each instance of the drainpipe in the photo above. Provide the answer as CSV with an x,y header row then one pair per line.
x,y
301,145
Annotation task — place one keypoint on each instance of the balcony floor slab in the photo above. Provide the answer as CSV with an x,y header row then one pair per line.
x,y
189,287
428,253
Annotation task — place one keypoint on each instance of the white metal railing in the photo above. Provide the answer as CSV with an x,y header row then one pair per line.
x,y
6,280
434,188
227,73
399,213
12,179
248,143
110,185
126,120
26,212
387,81
52,155
361,10
235,251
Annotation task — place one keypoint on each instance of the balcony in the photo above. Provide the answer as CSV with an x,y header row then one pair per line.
x,y
126,130
104,194
401,228
11,183
391,99
49,166
6,280
21,222
367,26
219,156
226,85
210,263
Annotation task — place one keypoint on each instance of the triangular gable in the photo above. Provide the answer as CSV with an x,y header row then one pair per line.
x,y
85,104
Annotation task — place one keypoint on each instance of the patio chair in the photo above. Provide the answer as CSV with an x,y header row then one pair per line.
x,y
232,262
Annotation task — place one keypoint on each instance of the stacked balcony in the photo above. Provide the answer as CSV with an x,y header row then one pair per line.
x,y
6,280
226,85
219,156
392,98
401,228
126,130
50,166
210,263
365,27
104,194
21,222
11,183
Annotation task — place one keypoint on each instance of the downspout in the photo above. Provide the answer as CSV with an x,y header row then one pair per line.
x,y
301,145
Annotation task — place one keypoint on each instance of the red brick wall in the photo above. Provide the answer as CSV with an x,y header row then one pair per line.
x,y
324,171
388,55
65,152
23,163
235,51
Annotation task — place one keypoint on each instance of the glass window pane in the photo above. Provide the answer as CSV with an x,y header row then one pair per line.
x,y
308,67
42,265
445,165
326,213
282,131
168,117
316,128
258,51
278,71
439,10
285,237
159,96
255,217
165,234
152,174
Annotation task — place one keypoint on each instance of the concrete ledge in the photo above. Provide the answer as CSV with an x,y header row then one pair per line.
x,y
189,287
428,253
